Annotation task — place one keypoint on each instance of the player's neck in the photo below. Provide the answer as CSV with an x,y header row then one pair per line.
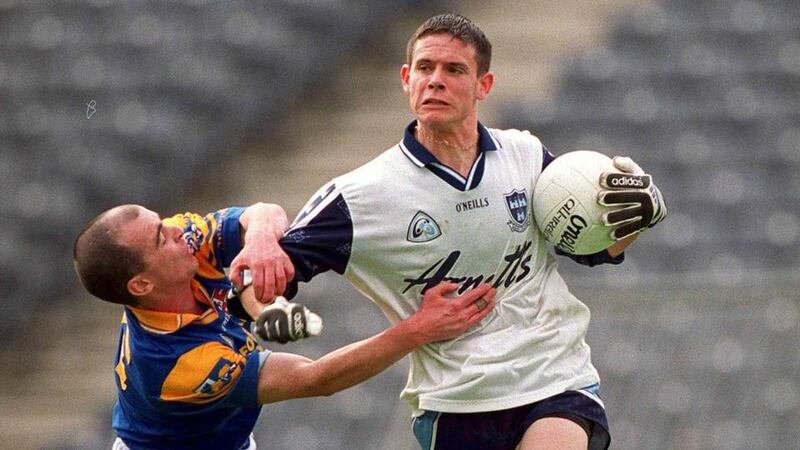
x,y
455,148
178,299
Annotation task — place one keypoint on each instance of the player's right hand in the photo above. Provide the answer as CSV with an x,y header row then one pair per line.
x,y
269,265
441,316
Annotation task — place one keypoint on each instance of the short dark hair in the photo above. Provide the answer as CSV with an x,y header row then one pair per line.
x,y
459,27
104,266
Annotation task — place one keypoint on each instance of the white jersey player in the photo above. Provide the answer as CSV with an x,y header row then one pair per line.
x,y
450,203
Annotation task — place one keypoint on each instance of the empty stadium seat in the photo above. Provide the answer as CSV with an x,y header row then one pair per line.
x,y
705,95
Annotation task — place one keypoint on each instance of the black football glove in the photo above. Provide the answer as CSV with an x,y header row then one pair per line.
x,y
284,321
637,202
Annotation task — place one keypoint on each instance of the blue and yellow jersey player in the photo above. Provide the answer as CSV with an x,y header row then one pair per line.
x,y
188,365
189,374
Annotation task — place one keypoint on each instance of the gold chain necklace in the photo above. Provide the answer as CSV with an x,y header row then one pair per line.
x,y
423,135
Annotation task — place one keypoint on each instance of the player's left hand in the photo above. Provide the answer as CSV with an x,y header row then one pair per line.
x,y
285,321
640,203
270,267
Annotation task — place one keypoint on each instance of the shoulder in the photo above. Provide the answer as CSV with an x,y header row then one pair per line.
x,y
516,139
376,171
365,183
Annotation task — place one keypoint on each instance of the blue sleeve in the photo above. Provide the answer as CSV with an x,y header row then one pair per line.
x,y
231,234
595,259
320,239
547,157
245,393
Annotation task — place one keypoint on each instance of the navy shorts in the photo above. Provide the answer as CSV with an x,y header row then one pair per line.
x,y
503,430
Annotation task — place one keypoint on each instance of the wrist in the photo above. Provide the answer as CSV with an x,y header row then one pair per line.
x,y
259,235
410,332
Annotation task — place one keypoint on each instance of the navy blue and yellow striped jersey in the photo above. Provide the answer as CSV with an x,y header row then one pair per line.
x,y
186,380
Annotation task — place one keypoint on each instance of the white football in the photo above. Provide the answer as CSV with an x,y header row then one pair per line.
x,y
565,202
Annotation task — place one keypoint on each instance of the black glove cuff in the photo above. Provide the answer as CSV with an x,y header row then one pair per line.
x,y
236,309
233,301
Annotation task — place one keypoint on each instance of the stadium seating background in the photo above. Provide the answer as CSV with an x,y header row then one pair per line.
x,y
695,336
177,85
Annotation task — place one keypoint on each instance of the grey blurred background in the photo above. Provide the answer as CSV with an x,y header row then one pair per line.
x,y
196,105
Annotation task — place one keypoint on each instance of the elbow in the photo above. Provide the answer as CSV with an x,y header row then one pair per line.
x,y
317,384
318,387
325,391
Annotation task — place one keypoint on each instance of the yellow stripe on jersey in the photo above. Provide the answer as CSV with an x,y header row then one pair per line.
x,y
200,232
124,354
204,374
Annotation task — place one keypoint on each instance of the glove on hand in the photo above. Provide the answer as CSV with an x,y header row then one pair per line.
x,y
284,321
640,202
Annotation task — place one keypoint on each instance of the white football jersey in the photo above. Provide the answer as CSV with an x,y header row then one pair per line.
x,y
414,223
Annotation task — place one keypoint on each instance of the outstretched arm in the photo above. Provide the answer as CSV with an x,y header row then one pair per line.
x,y
285,376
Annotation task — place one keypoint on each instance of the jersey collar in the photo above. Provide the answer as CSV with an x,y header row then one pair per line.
x,y
421,157
161,322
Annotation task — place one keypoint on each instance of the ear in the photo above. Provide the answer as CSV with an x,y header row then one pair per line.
x,y
485,83
405,72
139,286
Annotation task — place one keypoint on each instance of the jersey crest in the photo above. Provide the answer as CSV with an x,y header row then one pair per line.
x,y
517,204
423,228
203,375
219,377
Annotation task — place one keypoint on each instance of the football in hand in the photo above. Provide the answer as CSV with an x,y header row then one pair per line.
x,y
565,202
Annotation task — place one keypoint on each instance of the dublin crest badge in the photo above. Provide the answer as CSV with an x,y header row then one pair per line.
x,y
423,228
517,204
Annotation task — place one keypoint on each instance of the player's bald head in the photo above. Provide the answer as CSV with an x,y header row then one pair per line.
x,y
103,264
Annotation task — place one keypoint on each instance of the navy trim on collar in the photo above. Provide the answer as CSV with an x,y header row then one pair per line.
x,y
421,157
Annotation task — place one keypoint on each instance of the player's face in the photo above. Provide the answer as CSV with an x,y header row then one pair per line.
x,y
442,81
167,256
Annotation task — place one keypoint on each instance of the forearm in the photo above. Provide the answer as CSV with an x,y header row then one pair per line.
x,y
263,220
440,317
291,376
360,361
250,303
